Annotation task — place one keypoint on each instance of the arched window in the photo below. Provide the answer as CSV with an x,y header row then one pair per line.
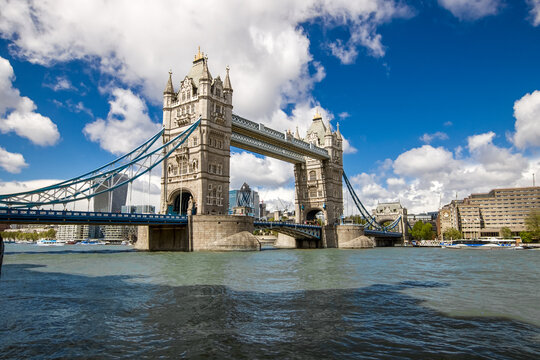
x,y
312,175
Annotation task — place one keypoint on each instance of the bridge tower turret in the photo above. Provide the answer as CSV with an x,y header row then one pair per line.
x,y
195,178
318,183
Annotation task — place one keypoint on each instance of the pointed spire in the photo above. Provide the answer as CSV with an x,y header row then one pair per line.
x,y
169,89
328,131
227,84
317,115
297,134
338,133
199,55
205,73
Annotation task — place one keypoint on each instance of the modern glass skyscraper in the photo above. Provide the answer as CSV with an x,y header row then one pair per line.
x,y
245,198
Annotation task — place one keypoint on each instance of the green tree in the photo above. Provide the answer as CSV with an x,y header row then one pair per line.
x,y
416,231
505,233
532,222
427,232
452,234
51,234
526,236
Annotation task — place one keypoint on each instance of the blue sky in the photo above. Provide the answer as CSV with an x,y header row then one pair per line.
x,y
435,97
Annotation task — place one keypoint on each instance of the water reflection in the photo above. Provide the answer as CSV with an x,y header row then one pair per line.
x,y
59,315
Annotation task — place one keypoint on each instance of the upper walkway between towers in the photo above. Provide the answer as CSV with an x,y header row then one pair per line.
x,y
258,138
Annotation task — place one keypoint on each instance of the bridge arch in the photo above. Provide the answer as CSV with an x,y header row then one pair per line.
x,y
311,215
180,201
382,220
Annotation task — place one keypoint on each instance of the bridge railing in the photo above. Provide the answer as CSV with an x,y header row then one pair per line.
x,y
281,224
67,216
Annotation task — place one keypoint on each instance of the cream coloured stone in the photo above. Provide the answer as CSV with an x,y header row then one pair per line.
x,y
242,241
361,242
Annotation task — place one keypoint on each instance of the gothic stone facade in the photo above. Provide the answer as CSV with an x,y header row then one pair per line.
x,y
197,174
318,183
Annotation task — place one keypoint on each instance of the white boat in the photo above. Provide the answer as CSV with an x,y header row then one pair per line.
x,y
481,244
91,242
49,242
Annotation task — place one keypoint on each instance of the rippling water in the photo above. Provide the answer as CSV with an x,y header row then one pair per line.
x,y
111,302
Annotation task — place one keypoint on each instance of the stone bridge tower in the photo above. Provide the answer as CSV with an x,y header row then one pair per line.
x,y
389,212
196,177
318,183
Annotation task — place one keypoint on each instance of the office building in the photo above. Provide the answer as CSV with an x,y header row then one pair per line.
x,y
138,209
111,201
481,215
244,202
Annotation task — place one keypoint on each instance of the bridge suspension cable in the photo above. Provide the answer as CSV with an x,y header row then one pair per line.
x,y
106,178
370,220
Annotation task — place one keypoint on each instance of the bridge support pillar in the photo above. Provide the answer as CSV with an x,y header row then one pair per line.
x,y
352,237
202,233
222,233
163,238
285,242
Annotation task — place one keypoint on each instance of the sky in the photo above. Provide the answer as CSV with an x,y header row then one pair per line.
x,y
436,99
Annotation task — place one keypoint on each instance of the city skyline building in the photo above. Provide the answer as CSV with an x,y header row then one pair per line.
x,y
138,209
111,201
246,199
484,214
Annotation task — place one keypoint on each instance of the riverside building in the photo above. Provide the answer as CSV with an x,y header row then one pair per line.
x,y
485,214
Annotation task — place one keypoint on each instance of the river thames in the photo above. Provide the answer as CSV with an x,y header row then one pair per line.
x,y
384,303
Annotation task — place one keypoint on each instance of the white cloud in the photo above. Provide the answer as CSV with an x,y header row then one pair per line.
x,y
277,198
423,160
344,115
535,11
61,83
10,187
17,113
527,114
426,174
127,124
348,148
471,9
262,41
428,138
363,18
76,108
259,172
477,141
11,162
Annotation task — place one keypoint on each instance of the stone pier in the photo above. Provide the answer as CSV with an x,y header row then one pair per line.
x,y
352,237
202,233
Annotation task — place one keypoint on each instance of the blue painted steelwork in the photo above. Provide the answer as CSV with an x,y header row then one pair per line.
x,y
13,216
372,224
292,229
84,186
369,232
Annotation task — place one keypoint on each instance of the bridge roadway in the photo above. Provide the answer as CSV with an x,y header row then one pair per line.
x,y
291,229
30,216
251,136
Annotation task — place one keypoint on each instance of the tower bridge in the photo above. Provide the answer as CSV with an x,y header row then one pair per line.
x,y
199,128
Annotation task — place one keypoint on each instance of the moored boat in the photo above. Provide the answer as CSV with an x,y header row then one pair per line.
x,y
481,244
91,242
49,242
